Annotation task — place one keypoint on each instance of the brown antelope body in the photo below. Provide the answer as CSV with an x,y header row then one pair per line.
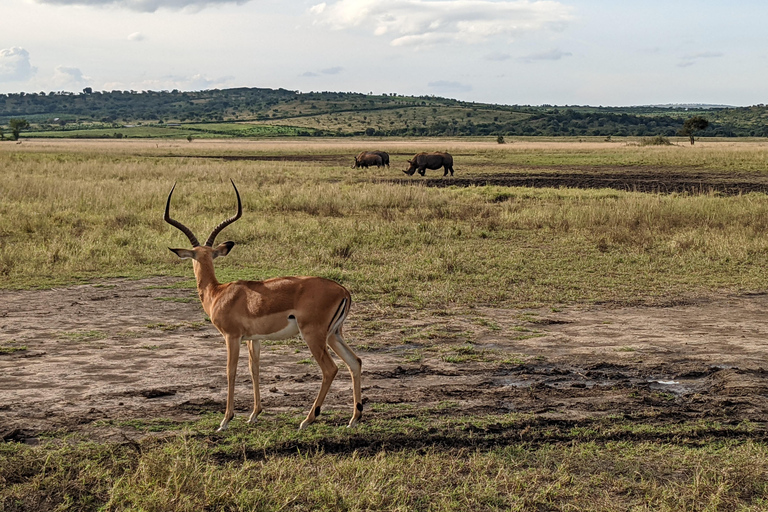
x,y
273,309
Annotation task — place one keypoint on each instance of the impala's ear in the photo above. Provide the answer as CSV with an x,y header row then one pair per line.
x,y
223,249
183,253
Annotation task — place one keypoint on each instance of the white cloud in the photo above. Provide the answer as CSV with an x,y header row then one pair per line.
x,y
136,36
444,86
498,56
145,5
15,65
67,78
553,54
427,23
691,59
327,71
197,82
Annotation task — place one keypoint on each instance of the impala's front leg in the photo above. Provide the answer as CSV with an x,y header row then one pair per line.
x,y
233,354
254,347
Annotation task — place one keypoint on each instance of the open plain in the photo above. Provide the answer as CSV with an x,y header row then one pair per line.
x,y
562,326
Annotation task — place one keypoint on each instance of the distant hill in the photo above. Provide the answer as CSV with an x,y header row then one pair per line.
x,y
258,112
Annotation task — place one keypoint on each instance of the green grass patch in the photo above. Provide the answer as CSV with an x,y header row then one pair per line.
x,y
402,463
490,324
79,336
12,349
146,425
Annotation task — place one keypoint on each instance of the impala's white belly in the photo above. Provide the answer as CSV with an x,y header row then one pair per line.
x,y
289,331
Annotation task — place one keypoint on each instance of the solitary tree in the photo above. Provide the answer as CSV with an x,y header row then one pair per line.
x,y
693,125
16,126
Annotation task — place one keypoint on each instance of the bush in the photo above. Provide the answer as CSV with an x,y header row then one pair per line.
x,y
658,140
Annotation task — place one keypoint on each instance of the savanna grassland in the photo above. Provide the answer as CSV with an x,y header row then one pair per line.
x,y
465,298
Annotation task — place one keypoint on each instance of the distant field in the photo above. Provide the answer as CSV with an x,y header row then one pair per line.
x,y
103,196
195,130
523,347
73,211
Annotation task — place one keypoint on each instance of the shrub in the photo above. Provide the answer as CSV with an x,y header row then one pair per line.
x,y
658,140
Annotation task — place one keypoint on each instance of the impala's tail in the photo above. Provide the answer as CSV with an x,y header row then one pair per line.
x,y
339,316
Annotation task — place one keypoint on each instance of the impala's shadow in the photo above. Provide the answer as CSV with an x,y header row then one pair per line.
x,y
530,434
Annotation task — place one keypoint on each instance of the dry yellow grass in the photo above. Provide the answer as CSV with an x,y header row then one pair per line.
x,y
87,209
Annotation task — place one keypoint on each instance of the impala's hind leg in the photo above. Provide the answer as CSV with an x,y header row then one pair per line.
x,y
254,348
337,343
315,340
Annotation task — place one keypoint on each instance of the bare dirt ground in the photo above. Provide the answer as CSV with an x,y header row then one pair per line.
x,y
92,357
633,179
662,180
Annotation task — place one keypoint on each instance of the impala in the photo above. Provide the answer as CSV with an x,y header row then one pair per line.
x,y
275,309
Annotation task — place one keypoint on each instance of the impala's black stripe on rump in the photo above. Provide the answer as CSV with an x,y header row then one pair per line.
x,y
338,315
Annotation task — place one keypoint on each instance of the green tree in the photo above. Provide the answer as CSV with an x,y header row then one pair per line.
x,y
16,126
693,125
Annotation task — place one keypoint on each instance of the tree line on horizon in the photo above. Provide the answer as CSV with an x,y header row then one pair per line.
x,y
348,114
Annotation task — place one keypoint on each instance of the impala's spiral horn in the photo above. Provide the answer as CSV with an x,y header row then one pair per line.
x,y
184,229
227,222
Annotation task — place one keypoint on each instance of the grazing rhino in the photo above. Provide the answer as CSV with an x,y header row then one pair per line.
x,y
424,161
367,159
384,157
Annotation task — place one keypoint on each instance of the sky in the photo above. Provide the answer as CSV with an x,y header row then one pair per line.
x,y
520,52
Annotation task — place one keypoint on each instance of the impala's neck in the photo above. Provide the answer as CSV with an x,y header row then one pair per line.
x,y
207,284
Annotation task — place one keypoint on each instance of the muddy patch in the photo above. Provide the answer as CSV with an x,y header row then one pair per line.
x,y
656,180
648,180
93,358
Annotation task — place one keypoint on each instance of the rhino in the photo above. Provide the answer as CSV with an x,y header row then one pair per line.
x,y
384,157
369,158
424,161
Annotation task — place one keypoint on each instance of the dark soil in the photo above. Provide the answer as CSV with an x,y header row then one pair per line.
x,y
634,179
